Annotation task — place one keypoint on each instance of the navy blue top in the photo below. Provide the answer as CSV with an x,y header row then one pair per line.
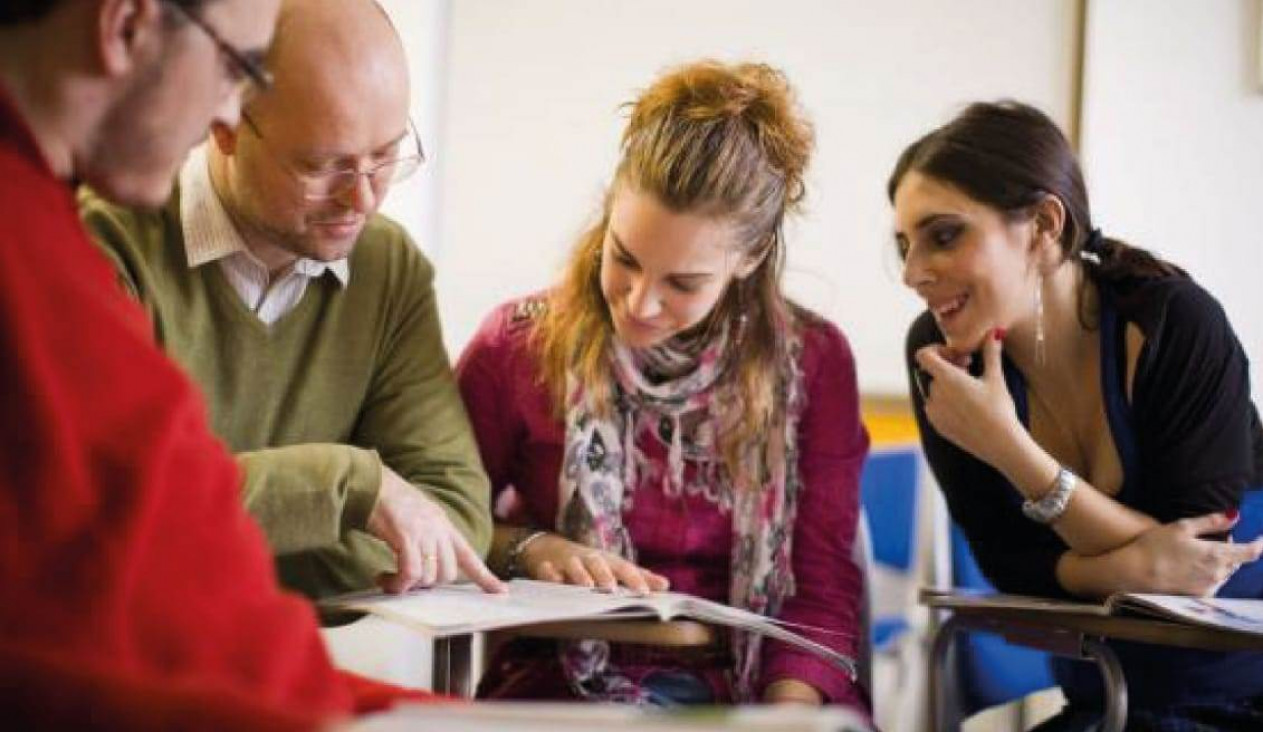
x,y
1189,443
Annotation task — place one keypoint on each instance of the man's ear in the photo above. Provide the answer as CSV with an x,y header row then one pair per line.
x,y
127,30
224,137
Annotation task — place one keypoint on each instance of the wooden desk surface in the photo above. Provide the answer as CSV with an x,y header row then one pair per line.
x,y
1126,628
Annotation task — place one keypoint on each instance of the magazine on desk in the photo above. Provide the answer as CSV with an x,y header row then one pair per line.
x,y
450,610
1223,613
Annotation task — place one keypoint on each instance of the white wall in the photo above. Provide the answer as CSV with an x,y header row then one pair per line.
x,y
532,121
417,202
1173,142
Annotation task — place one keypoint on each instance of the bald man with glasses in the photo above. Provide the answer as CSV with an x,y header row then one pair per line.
x,y
309,320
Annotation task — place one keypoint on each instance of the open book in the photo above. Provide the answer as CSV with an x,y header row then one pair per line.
x,y
461,609
1231,614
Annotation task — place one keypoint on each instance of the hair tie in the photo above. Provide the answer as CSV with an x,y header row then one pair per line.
x,y
1095,243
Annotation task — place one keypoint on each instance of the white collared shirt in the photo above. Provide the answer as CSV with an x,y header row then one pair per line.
x,y
209,236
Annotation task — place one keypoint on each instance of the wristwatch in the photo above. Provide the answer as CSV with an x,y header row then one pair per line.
x,y
1054,502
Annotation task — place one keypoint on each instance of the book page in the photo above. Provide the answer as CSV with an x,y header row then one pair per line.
x,y
1241,615
458,609
720,614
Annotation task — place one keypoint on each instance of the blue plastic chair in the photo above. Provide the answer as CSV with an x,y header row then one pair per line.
x,y
890,492
1248,580
989,670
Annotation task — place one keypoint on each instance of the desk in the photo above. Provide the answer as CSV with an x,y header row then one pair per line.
x,y
1073,635
457,663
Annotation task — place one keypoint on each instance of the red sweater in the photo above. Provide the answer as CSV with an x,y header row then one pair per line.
x,y
136,591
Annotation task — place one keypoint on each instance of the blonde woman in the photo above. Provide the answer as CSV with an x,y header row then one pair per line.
x,y
665,417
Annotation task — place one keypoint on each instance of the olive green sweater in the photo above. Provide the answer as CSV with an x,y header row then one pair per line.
x,y
313,405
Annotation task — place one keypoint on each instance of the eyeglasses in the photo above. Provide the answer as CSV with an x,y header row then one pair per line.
x,y
246,71
332,184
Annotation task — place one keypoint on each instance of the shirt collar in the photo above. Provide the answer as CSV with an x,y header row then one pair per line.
x,y
209,234
15,131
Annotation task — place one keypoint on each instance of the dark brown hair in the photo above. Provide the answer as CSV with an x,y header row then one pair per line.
x,y
1009,156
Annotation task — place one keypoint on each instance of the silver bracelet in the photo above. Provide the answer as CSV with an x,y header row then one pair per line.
x,y
1049,508
512,567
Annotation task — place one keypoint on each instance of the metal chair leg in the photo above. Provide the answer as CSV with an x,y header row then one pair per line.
x,y
1115,684
943,702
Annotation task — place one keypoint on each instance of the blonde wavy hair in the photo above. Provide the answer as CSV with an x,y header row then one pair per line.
x,y
725,141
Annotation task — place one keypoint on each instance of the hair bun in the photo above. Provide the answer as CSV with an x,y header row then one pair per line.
x,y
755,96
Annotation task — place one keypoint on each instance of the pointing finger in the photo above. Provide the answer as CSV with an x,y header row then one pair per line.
x,y
471,564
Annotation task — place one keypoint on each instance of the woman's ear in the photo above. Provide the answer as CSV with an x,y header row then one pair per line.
x,y
1048,221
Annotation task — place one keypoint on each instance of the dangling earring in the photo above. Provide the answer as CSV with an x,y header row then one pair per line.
x,y
1040,344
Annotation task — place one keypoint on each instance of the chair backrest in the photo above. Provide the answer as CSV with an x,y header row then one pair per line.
x,y
1248,580
889,489
989,670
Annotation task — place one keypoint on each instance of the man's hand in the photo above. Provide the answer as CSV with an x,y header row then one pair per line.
x,y
429,549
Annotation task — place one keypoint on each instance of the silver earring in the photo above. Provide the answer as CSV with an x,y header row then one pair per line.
x,y
1040,344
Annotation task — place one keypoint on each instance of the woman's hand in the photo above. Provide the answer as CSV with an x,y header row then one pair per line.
x,y
975,414
792,691
1173,559
552,558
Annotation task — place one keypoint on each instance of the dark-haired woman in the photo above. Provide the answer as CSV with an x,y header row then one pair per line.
x,y
1084,405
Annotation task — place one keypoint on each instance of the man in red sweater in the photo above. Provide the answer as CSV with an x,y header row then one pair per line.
x,y
135,592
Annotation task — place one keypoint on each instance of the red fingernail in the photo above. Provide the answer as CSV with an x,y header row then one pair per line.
x,y
998,334
1232,514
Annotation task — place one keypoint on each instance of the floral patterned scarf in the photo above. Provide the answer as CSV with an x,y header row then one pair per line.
x,y
677,391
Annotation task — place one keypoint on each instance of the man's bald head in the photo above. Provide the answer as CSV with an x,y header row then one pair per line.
x,y
334,55
339,103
